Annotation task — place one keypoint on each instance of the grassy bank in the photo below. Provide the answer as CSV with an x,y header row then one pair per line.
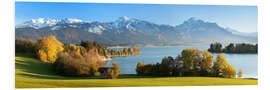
x,y
31,73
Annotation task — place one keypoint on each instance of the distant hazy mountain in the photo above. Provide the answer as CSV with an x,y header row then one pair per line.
x,y
252,34
126,31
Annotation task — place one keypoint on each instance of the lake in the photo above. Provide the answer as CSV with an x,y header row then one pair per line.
x,y
247,62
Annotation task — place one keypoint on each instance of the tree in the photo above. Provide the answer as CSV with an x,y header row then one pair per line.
x,y
48,49
207,60
215,47
139,68
72,47
166,67
229,71
125,50
192,59
116,70
220,65
230,48
240,73
222,68
206,63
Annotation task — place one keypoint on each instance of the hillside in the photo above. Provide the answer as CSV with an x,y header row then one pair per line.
x,y
32,73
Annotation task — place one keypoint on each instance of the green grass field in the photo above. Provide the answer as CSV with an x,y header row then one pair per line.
x,y
32,73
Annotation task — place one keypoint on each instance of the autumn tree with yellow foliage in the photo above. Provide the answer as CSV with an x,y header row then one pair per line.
x,y
219,65
223,68
229,71
116,70
240,73
48,49
206,63
191,58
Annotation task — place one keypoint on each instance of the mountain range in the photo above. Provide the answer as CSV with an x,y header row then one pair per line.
x,y
130,31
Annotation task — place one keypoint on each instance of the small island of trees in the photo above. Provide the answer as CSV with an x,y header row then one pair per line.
x,y
233,48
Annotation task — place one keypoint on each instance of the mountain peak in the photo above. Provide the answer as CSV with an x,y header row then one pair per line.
x,y
194,20
72,20
39,20
123,19
198,22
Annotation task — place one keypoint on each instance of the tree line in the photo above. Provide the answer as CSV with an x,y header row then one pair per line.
x,y
102,50
234,48
191,62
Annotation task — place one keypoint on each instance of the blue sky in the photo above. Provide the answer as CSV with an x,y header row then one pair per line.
x,y
241,18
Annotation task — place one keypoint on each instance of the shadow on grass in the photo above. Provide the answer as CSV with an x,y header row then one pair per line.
x,y
35,67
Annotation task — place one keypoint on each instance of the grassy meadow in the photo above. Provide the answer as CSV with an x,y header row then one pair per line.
x,y
32,73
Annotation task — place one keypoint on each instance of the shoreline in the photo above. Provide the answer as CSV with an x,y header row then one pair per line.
x,y
157,45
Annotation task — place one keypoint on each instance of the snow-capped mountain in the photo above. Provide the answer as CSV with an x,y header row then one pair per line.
x,y
42,22
127,30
